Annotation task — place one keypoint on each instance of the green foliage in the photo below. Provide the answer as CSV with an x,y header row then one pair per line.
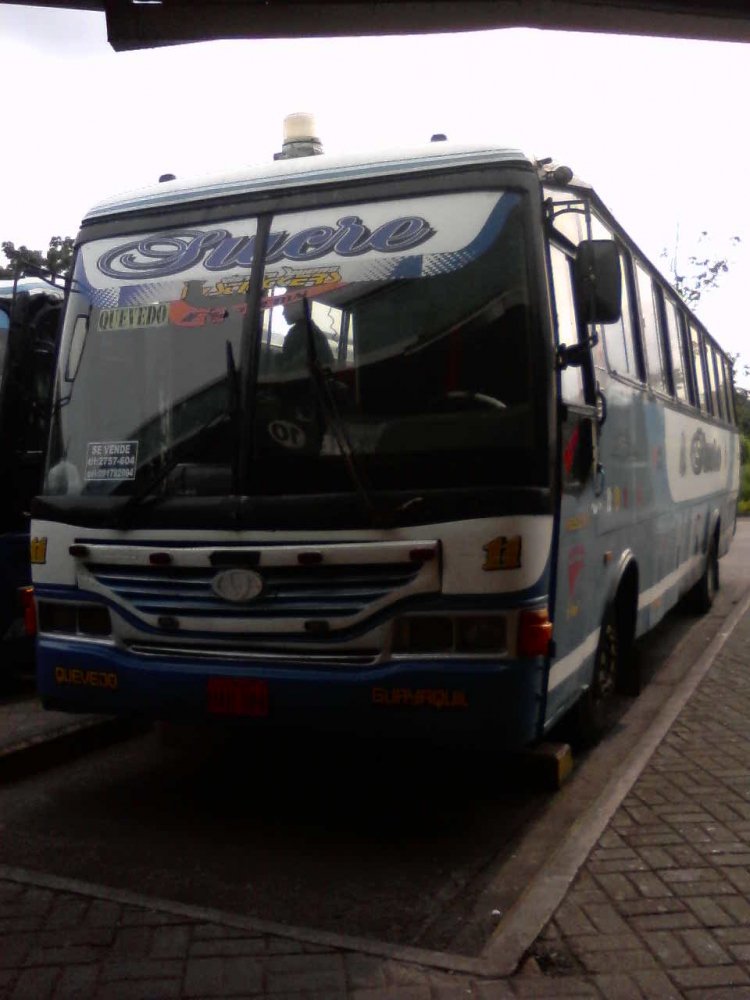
x,y
743,507
699,274
741,401
57,258
742,410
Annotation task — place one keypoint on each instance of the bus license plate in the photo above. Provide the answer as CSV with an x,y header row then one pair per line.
x,y
237,696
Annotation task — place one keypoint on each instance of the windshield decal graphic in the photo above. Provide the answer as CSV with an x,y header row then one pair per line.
x,y
183,314
111,460
217,250
289,277
133,317
440,235
303,278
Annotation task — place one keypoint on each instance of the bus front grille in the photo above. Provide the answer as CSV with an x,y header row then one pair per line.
x,y
288,592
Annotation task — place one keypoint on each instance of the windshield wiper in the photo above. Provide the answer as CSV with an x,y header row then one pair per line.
x,y
319,378
146,490
233,410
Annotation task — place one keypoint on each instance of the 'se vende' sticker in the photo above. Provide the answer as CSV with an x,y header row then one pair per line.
x,y
133,317
111,459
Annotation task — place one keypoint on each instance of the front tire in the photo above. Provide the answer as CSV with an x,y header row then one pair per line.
x,y
591,710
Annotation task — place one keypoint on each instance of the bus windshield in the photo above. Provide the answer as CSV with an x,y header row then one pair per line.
x,y
393,338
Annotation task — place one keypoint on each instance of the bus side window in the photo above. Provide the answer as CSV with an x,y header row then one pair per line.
x,y
619,345
655,367
729,399
4,325
687,354
717,403
699,368
679,374
722,386
577,432
571,378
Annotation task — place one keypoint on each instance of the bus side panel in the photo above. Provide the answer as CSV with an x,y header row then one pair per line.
x,y
578,601
668,478
595,525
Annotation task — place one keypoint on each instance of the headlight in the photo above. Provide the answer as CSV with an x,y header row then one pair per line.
x,y
74,619
413,634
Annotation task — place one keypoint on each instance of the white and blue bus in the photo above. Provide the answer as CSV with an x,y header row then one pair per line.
x,y
30,310
419,442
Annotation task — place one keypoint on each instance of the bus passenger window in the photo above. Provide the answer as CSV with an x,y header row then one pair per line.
x,y
4,325
700,373
679,378
725,378
618,337
655,367
721,386
716,407
571,378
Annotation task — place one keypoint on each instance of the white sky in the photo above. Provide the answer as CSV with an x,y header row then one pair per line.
x,y
658,126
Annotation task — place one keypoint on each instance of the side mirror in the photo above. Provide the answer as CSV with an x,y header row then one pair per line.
x,y
572,355
598,281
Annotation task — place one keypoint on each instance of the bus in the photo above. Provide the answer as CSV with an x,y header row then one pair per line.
x,y
417,442
30,310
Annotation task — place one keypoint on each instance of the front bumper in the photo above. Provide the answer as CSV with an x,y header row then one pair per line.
x,y
501,700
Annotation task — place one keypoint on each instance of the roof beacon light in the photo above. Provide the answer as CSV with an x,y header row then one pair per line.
x,y
558,173
299,137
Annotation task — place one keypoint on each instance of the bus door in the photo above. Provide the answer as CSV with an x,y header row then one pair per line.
x,y
577,607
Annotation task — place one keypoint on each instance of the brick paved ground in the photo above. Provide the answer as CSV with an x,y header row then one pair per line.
x,y
661,908
663,902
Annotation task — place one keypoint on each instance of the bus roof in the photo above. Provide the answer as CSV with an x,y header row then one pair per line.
x,y
31,285
306,170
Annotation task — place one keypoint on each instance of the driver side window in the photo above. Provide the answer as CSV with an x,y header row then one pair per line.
x,y
571,378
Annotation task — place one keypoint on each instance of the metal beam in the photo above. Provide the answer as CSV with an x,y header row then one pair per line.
x,y
133,25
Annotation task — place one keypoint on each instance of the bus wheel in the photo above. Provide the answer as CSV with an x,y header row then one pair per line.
x,y
591,709
702,595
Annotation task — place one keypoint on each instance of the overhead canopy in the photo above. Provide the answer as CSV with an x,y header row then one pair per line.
x,y
135,24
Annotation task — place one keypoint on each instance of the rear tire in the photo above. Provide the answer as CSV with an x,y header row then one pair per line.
x,y
701,597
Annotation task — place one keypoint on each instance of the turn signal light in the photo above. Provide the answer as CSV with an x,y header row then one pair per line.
x,y
26,594
534,633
